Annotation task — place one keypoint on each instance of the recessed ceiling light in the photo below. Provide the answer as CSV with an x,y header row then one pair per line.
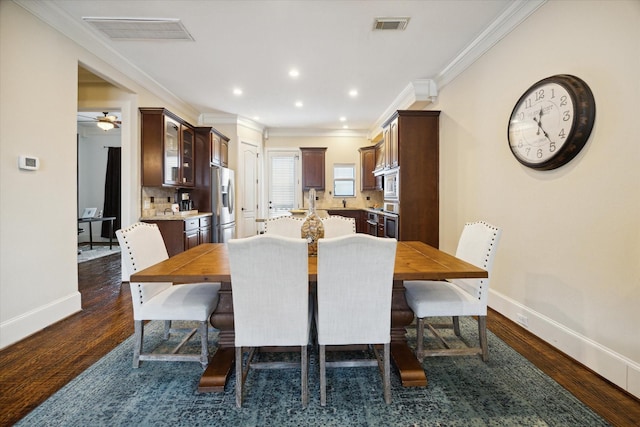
x,y
256,117
299,104
353,93
343,119
237,91
294,73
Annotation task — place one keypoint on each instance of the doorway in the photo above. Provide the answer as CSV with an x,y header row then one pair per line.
x,y
98,182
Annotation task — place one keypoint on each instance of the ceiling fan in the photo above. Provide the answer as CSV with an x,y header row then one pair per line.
x,y
105,122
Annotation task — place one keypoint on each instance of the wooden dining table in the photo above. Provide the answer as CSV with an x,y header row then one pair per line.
x,y
209,262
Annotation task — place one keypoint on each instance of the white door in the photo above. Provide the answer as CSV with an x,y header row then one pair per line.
x,y
249,197
283,182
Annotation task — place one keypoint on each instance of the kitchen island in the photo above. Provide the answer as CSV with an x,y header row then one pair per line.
x,y
182,230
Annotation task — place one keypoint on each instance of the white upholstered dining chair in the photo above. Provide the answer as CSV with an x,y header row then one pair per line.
x,y
336,225
457,297
142,246
286,226
270,290
354,288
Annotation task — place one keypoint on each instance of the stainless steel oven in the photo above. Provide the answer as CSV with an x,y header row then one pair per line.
x,y
391,222
372,223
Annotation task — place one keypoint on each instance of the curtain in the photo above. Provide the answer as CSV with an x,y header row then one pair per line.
x,y
112,191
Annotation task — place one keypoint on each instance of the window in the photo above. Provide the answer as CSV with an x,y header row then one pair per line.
x,y
344,180
282,182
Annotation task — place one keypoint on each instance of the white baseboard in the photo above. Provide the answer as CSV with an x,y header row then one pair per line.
x,y
623,372
13,330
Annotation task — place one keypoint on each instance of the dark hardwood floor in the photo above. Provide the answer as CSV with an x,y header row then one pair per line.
x,y
36,367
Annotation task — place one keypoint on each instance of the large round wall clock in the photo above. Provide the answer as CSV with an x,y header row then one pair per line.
x,y
551,122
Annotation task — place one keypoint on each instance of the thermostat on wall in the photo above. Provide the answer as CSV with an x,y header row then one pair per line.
x,y
29,163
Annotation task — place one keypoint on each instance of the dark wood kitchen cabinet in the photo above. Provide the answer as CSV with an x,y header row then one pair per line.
x,y
392,143
180,235
368,181
413,147
204,231
219,148
313,168
168,149
212,149
358,214
380,158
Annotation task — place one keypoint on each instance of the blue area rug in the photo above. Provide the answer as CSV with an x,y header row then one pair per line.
x,y
462,391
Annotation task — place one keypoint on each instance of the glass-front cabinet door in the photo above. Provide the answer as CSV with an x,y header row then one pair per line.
x,y
171,152
188,137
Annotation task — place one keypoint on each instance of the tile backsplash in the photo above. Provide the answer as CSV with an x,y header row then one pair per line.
x,y
157,199
325,200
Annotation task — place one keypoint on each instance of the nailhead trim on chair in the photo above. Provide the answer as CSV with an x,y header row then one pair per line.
x,y
495,231
128,250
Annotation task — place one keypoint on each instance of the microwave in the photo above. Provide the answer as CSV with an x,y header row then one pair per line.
x,y
391,185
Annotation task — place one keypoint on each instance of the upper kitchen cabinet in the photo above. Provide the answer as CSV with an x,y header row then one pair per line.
x,y
416,156
187,159
387,149
313,168
380,157
368,181
168,149
219,148
392,144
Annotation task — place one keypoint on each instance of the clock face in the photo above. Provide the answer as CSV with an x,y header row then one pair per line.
x,y
551,122
540,123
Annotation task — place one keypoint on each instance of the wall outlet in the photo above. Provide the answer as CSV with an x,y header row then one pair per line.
x,y
523,320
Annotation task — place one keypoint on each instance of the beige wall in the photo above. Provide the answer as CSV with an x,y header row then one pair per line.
x,y
569,257
38,84
570,251
38,218
340,149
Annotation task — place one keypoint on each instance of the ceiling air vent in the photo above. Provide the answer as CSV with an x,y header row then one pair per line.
x,y
140,29
390,23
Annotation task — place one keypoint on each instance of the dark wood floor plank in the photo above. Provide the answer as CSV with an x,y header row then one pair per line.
x,y
38,366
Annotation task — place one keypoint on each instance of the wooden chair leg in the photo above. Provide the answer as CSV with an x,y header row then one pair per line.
x,y
420,339
482,333
137,342
386,375
204,337
304,376
239,377
456,325
167,329
323,376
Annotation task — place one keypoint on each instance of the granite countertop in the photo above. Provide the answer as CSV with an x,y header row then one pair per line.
x,y
303,212
178,216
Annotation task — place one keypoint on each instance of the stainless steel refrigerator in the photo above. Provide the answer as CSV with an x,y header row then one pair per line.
x,y
223,204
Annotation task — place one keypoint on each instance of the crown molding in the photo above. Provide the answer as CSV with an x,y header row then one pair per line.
x,y
308,132
91,41
415,96
213,119
516,13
